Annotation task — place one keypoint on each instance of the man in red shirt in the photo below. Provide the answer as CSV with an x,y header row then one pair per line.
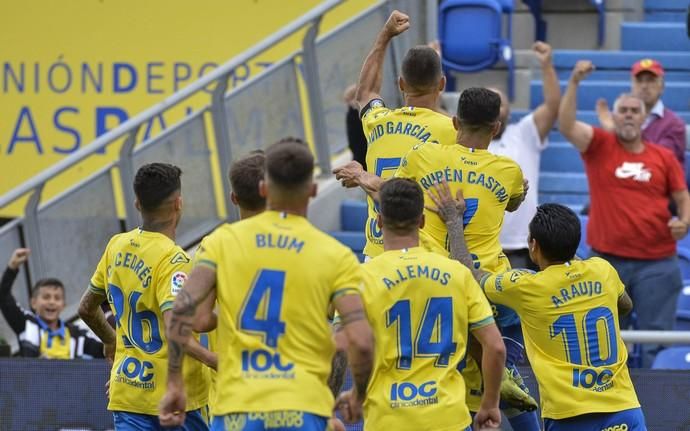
x,y
630,225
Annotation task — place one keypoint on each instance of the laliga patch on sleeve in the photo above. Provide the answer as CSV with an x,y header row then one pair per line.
x,y
177,281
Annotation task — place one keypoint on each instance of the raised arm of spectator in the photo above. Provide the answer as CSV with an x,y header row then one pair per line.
x,y
8,305
371,76
578,133
547,113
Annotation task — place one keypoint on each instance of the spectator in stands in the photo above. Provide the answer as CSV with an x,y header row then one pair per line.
x,y
41,332
630,225
523,142
356,139
661,126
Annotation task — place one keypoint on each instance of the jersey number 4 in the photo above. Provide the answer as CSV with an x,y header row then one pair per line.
x,y
261,310
434,335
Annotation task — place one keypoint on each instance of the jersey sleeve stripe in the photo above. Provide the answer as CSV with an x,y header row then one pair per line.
x,y
207,263
482,323
96,289
167,305
344,291
482,281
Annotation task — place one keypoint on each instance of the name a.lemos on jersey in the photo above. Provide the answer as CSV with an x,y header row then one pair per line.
x,y
451,175
136,264
416,271
280,241
399,128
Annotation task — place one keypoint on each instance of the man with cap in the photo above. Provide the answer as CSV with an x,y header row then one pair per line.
x,y
661,126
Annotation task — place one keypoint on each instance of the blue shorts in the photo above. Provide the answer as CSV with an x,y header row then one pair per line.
x,y
285,420
627,420
125,421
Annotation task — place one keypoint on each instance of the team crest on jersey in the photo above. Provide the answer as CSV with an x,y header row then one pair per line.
x,y
177,281
179,258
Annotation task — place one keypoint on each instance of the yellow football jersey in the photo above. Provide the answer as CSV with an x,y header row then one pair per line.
x,y
391,133
487,181
276,275
569,317
421,307
141,272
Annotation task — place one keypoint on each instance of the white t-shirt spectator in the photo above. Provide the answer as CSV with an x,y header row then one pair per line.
x,y
521,142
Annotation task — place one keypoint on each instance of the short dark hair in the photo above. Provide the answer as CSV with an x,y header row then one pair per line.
x,y
479,109
402,204
46,282
289,163
421,67
155,182
556,228
245,175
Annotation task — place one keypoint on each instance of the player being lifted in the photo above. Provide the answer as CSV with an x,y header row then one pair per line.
x,y
422,307
140,273
274,276
392,132
569,312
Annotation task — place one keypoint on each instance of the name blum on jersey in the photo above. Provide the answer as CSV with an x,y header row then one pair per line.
x,y
399,128
136,264
469,177
263,364
581,288
285,242
416,271
406,394
134,372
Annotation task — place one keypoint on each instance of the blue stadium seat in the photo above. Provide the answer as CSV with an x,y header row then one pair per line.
x,y
683,308
563,182
624,75
535,7
654,36
589,117
676,94
354,240
673,358
684,262
470,33
561,157
353,215
620,60
664,10
583,250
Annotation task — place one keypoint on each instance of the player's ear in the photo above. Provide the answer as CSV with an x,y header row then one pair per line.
x,y
442,84
263,189
233,198
313,188
401,84
178,203
422,220
137,205
456,123
379,221
496,128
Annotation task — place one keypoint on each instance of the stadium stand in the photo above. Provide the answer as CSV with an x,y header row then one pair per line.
x,y
673,358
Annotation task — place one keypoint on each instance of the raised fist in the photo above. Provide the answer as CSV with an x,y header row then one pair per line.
x,y
581,70
543,52
397,23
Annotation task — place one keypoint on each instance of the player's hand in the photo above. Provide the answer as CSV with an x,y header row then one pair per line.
x,y
19,256
109,352
487,418
349,406
446,207
171,408
678,228
543,52
581,70
349,174
397,23
335,424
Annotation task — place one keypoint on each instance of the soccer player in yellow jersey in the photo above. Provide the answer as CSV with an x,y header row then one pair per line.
x,y
392,132
140,273
422,307
274,276
569,312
